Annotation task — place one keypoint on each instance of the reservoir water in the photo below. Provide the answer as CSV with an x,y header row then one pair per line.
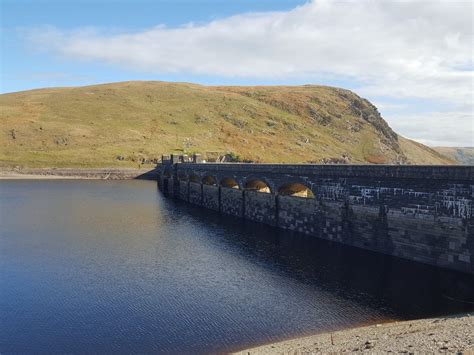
x,y
113,266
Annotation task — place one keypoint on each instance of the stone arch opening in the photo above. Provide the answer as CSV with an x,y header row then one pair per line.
x,y
295,189
257,185
182,176
209,180
230,183
194,178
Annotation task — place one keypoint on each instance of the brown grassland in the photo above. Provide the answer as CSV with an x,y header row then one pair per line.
x,y
130,123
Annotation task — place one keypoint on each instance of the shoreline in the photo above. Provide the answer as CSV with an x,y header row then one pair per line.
x,y
77,173
431,335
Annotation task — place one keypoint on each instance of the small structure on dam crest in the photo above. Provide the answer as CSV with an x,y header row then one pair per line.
x,y
420,213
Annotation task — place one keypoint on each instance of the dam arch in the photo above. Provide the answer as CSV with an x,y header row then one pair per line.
x,y
183,176
258,185
229,183
295,189
209,180
194,178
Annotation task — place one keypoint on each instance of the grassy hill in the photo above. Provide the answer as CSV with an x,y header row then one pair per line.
x,y
462,155
122,124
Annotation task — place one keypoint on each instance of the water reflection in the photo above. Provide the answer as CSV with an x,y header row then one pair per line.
x,y
406,289
113,266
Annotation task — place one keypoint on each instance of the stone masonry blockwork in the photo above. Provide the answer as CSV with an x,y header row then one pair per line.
x,y
421,213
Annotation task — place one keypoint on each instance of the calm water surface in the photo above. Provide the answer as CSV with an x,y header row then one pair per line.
x,y
102,266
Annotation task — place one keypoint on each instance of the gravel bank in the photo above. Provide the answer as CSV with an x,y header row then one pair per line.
x,y
436,335
73,173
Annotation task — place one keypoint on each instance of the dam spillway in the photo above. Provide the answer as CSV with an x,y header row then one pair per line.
x,y
420,213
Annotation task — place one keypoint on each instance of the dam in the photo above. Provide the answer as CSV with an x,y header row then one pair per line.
x,y
419,213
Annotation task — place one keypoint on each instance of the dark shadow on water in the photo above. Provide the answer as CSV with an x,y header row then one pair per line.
x,y
405,289
149,175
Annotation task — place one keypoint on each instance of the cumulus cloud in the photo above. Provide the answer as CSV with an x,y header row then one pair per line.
x,y
398,49
442,129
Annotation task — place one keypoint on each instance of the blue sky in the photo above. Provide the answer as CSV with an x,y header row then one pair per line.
x,y
25,67
412,59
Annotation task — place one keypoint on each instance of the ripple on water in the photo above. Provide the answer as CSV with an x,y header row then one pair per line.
x,y
94,266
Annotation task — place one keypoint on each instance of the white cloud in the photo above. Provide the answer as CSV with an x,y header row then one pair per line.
x,y
400,49
449,129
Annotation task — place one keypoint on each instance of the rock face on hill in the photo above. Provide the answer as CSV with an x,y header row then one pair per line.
x,y
131,123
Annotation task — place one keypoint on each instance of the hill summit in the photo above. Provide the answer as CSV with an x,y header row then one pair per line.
x,y
131,123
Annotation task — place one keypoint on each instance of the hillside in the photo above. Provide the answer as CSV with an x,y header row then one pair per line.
x,y
124,124
462,155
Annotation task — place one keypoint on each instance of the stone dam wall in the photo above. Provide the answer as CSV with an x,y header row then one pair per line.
x,y
420,213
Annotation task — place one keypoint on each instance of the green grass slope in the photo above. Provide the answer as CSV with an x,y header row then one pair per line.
x,y
123,124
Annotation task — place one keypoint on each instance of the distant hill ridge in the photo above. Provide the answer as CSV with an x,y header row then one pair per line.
x,y
124,124
462,155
